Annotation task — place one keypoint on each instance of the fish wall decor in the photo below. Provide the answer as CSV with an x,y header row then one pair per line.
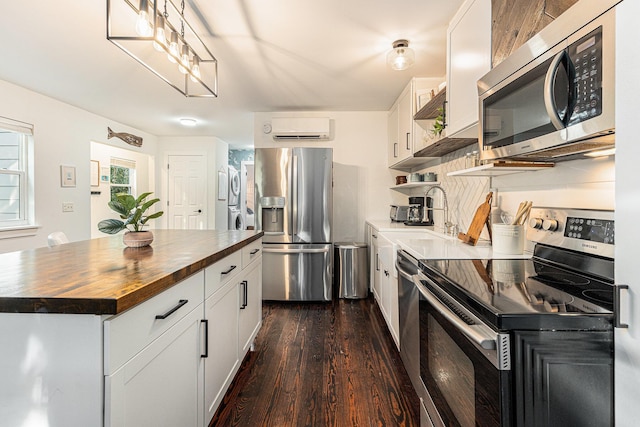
x,y
126,137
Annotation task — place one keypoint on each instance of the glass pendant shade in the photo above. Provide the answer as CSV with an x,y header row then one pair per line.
x,y
400,57
195,69
144,27
160,38
173,48
183,65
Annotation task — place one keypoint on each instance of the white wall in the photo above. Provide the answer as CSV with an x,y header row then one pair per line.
x,y
360,174
144,182
62,135
215,151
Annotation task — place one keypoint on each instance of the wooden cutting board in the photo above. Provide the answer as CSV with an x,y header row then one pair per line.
x,y
479,220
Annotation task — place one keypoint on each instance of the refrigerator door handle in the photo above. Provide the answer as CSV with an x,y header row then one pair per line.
x,y
294,196
296,251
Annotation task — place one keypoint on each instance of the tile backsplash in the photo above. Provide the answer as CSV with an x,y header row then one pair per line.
x,y
464,194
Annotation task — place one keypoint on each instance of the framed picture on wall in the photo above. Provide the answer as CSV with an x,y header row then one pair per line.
x,y
104,174
95,173
67,176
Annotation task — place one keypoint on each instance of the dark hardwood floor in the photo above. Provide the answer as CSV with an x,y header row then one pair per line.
x,y
331,364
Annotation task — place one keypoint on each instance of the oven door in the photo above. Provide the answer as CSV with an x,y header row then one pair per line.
x,y
464,364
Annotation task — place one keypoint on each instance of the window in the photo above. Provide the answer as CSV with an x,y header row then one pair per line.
x,y
16,188
123,176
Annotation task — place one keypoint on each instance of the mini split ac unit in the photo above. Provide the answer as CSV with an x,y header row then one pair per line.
x,y
313,128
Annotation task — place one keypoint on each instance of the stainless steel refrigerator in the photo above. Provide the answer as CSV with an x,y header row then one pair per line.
x,y
294,203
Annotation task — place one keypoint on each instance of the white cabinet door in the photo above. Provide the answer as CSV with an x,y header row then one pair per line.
x,y
389,287
393,152
405,122
161,385
222,361
375,267
468,59
250,307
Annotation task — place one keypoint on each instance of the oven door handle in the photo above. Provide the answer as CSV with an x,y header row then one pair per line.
x,y
403,273
475,334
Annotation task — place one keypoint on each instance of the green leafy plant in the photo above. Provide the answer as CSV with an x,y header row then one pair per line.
x,y
131,212
438,125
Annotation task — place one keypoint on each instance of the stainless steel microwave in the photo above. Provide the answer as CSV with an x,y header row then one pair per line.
x,y
555,103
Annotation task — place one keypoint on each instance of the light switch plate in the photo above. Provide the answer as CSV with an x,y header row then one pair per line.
x,y
67,207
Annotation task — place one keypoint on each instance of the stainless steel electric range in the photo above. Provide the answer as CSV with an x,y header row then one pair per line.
x,y
522,342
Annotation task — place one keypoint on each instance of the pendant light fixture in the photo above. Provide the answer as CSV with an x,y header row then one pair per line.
x,y
184,61
401,56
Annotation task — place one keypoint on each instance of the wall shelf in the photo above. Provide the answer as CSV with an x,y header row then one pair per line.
x,y
430,109
501,168
411,185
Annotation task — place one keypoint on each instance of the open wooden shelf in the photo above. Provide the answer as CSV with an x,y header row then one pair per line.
x,y
430,109
501,168
415,184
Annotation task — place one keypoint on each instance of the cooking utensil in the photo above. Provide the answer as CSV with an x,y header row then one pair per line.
x,y
477,224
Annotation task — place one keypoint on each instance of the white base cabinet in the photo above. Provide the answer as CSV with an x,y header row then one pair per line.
x,y
233,314
222,361
161,385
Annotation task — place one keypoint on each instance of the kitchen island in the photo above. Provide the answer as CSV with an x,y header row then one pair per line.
x,y
93,333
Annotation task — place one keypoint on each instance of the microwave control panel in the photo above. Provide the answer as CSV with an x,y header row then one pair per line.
x,y
586,57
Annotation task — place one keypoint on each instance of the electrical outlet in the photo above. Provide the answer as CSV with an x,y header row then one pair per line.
x,y
67,207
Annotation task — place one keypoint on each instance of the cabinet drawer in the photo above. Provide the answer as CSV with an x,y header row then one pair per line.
x,y
251,252
128,333
221,272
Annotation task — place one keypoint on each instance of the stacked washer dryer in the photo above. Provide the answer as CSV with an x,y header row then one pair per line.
x,y
236,218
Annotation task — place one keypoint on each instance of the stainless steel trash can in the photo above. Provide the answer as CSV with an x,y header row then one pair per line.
x,y
351,270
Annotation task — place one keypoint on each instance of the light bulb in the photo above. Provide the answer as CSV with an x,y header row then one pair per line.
x,y
401,57
143,25
183,66
195,69
160,38
173,48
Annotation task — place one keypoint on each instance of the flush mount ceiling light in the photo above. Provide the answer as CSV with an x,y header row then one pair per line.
x,y
401,56
159,36
188,122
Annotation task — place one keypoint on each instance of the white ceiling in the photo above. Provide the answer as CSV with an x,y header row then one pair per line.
x,y
274,55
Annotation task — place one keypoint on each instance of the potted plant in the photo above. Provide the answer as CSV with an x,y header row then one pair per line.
x,y
438,125
132,218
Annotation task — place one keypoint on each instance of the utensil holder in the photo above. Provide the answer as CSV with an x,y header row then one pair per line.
x,y
508,239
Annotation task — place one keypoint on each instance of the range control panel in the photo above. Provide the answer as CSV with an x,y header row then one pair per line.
x,y
589,231
593,230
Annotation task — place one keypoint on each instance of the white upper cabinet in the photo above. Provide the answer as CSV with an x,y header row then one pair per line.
x,y
468,59
405,136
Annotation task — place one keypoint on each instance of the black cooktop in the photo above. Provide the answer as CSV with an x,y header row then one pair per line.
x,y
524,293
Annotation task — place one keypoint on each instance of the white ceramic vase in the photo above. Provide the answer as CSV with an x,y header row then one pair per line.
x,y
137,239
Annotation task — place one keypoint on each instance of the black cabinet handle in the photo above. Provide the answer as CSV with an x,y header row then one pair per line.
x,y
233,267
245,301
173,310
244,294
408,147
206,338
255,251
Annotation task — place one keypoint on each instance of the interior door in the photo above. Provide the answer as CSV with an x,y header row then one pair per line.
x,y
187,199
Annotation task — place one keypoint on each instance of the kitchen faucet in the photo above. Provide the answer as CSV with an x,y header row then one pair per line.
x,y
447,225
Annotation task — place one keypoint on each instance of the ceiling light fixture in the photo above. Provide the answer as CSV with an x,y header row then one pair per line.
x,y
188,122
401,56
140,28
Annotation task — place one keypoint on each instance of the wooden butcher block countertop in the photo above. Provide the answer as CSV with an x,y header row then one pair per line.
x,y
102,276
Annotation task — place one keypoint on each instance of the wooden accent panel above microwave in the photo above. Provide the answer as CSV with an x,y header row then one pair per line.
x,y
513,22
